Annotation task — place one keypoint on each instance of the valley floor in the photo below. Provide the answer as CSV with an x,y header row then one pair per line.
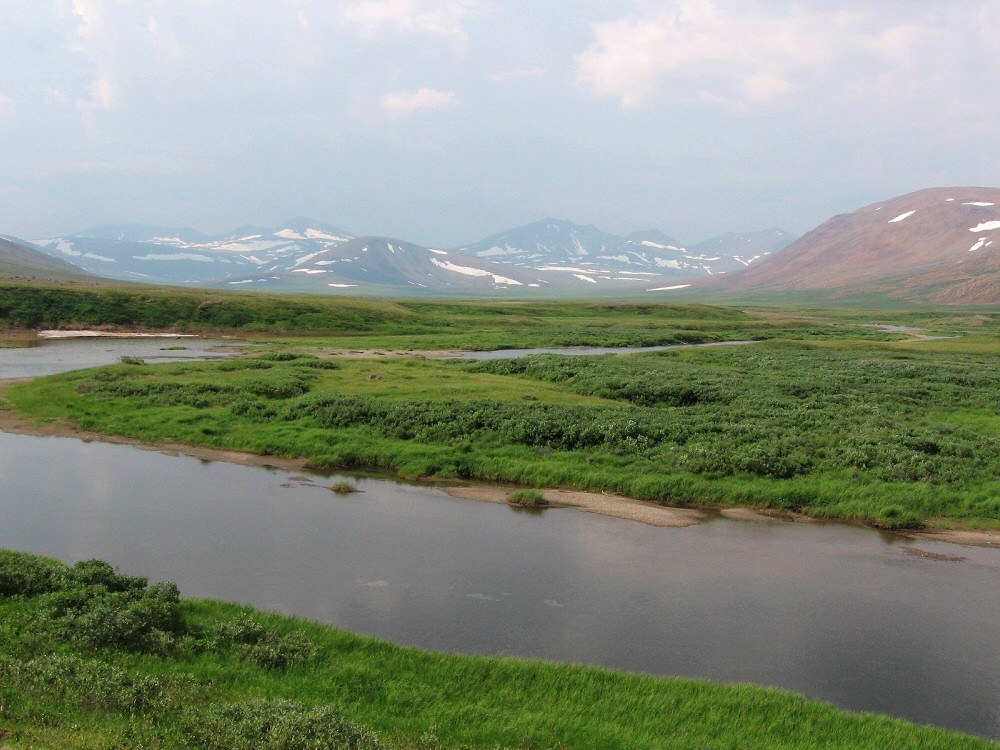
x,y
829,416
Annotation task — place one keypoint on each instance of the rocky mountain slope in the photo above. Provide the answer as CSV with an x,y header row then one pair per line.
x,y
934,245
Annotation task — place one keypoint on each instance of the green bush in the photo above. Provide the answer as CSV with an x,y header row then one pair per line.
x,y
267,648
100,608
84,683
275,725
528,498
22,574
894,517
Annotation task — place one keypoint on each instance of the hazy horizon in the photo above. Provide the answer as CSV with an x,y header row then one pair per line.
x,y
445,122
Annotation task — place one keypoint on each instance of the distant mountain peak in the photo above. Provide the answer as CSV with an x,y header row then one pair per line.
x,y
301,228
654,238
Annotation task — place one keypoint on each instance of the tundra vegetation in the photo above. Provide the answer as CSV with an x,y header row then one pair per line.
x,y
91,657
308,321
896,434
827,415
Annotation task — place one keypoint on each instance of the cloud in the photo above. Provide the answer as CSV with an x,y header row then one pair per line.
x,y
101,99
397,104
6,108
752,54
441,18
517,74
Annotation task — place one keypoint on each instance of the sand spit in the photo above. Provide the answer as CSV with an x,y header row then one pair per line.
x,y
616,506
967,538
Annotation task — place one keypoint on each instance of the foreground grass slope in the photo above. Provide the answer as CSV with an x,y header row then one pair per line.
x,y
891,434
96,659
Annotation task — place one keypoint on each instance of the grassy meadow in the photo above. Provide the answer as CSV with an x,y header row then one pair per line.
x,y
352,323
91,658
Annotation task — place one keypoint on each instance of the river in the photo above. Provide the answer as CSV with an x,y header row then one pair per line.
x,y
836,612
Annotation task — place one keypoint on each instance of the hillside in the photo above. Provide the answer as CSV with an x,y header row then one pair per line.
x,y
19,261
936,245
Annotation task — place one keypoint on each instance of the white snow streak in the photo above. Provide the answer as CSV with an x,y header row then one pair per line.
x,y
175,256
668,288
668,263
902,216
466,271
986,226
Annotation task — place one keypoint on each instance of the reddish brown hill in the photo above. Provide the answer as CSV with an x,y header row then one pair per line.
x,y
939,245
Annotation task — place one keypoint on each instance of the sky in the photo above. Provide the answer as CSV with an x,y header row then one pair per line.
x,y
441,122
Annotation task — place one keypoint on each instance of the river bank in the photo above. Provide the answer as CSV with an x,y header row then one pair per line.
x,y
607,504
224,682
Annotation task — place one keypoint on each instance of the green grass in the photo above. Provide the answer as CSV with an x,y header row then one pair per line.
x,y
528,498
92,659
882,432
339,322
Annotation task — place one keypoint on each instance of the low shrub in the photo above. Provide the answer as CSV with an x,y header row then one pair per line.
x,y
528,499
275,725
894,517
22,574
264,647
83,683
101,608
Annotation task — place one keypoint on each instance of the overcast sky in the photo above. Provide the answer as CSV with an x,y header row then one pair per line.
x,y
442,122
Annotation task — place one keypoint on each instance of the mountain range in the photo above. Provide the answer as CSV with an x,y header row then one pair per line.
x,y
307,255
938,245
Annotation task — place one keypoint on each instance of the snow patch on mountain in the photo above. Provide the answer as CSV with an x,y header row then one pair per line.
x,y
467,271
901,217
986,226
175,256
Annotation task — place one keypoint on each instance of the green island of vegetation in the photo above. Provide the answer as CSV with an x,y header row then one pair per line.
x,y
91,658
900,436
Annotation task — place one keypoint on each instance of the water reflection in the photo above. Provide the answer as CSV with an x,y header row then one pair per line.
x,y
51,357
836,612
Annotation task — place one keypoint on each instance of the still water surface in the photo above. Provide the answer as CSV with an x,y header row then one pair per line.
x,y
51,357
832,611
